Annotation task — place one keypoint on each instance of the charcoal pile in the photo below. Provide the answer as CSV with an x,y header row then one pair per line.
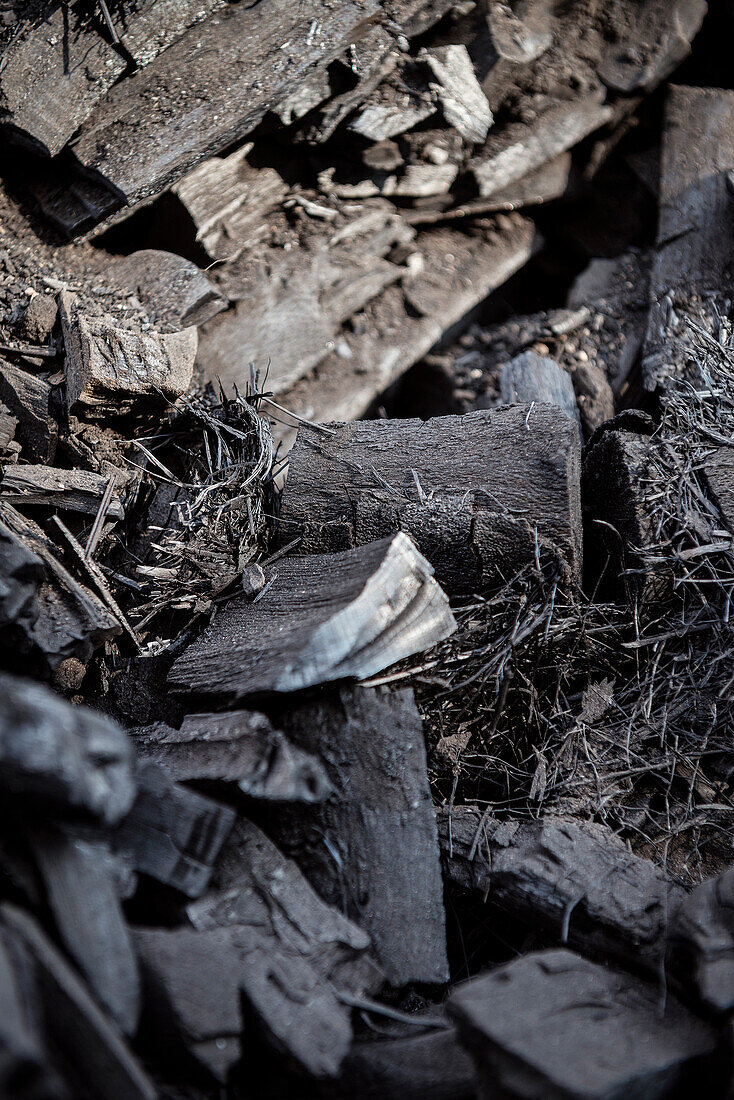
x,y
366,549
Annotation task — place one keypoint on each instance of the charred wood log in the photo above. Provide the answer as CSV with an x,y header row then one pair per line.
x,y
322,618
468,489
28,399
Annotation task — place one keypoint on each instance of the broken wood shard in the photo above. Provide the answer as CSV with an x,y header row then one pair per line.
x,y
174,291
239,747
574,879
371,848
524,1024
71,760
28,399
171,833
110,367
467,489
321,618
464,104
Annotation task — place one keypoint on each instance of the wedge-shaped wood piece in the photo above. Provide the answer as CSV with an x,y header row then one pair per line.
x,y
692,268
96,1060
226,203
463,103
530,377
521,148
79,878
396,105
28,399
575,880
171,833
259,57
72,620
241,747
173,290
111,367
468,489
532,1024
58,68
372,848
67,490
321,618
701,943
71,760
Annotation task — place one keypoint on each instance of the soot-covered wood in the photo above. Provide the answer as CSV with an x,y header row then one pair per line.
x,y
371,848
470,490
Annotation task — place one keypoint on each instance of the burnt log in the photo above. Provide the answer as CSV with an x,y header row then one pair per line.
x,y
239,747
575,880
321,618
472,491
530,377
414,1065
173,291
172,834
701,944
68,490
371,848
530,1026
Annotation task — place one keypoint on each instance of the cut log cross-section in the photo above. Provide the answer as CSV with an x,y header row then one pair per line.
x,y
470,490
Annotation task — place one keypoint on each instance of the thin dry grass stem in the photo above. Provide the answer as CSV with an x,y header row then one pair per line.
x,y
548,701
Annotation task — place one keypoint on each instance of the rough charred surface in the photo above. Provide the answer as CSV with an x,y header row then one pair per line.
x,y
82,893
239,747
172,834
28,399
616,466
23,1074
266,934
108,367
327,617
702,943
67,490
21,572
371,848
72,621
575,880
161,117
70,760
692,268
58,68
525,1023
469,489
95,1060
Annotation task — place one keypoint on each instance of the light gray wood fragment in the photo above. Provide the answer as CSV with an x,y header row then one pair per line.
x,y
463,103
69,490
323,618
173,290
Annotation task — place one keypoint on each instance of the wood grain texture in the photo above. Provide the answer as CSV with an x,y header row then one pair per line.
x,y
240,63
28,399
530,377
444,481
575,880
371,849
322,618
68,490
